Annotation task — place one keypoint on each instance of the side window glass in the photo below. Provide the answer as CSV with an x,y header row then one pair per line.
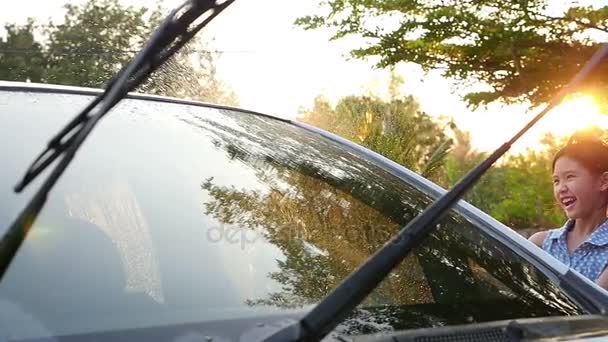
x,y
482,275
482,279
466,277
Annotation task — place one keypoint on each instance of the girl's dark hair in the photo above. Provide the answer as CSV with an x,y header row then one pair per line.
x,y
587,149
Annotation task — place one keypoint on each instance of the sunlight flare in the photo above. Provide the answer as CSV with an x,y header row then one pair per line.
x,y
575,114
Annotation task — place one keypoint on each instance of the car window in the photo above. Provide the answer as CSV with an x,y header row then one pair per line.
x,y
174,214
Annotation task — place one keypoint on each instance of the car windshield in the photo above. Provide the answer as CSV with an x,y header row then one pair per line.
x,y
175,213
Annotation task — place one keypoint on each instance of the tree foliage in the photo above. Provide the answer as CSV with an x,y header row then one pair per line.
x,y
27,65
103,36
520,50
518,191
395,128
94,41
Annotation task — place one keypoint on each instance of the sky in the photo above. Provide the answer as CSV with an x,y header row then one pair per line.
x,y
277,68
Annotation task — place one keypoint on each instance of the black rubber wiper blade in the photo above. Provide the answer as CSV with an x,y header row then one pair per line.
x,y
175,31
327,314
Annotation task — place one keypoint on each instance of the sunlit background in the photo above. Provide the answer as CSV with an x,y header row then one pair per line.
x,y
277,68
563,120
573,115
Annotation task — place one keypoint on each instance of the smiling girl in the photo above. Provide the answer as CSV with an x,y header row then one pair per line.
x,y
580,187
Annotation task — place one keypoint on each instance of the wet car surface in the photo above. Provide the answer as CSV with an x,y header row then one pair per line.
x,y
175,214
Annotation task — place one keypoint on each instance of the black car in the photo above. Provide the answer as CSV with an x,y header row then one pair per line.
x,y
184,221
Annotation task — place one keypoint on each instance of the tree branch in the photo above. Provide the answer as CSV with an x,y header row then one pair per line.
x,y
579,22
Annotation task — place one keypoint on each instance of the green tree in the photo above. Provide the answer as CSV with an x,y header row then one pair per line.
x,y
527,199
95,40
395,128
461,159
518,49
21,56
518,192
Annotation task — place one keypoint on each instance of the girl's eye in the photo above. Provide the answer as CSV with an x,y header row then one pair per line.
x,y
569,176
555,181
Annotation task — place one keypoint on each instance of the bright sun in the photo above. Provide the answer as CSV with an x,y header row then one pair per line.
x,y
489,130
572,115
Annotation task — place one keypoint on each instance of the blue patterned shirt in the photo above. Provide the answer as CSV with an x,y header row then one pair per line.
x,y
589,259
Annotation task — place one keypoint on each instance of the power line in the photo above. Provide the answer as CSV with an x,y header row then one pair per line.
x,y
95,52
49,25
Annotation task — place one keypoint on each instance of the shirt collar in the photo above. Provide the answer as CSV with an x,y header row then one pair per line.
x,y
599,237
561,232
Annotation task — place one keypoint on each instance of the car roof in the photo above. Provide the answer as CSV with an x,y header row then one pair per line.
x,y
77,90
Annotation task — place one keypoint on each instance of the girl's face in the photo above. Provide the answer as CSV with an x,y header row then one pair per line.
x,y
578,190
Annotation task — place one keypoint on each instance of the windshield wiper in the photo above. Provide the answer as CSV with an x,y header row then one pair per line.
x,y
175,31
326,315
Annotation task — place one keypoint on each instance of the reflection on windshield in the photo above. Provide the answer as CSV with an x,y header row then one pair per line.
x,y
115,210
323,232
312,211
327,223
176,214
